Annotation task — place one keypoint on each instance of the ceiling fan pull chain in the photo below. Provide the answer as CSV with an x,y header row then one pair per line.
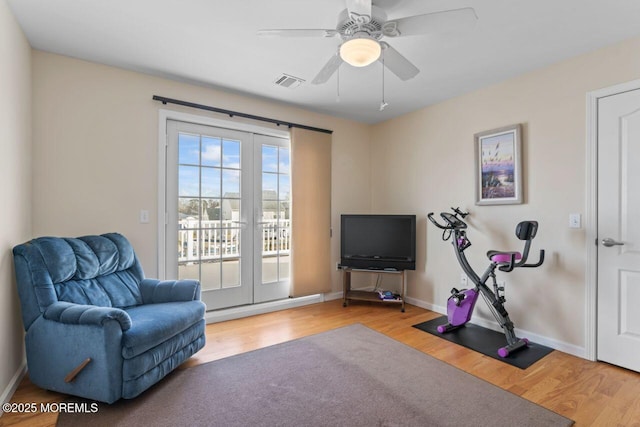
x,y
338,85
383,104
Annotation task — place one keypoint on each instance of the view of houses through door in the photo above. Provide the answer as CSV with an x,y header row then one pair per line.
x,y
618,229
228,213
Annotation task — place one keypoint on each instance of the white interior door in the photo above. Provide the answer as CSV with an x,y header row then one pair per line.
x,y
618,340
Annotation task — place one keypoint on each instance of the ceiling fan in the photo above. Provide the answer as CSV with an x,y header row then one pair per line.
x,y
362,25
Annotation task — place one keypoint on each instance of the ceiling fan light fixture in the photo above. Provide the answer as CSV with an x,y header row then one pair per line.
x,y
360,51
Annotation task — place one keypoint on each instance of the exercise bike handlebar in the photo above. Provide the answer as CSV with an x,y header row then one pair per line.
x,y
537,264
452,221
513,264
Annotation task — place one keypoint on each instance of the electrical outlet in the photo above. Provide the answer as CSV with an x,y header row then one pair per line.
x,y
337,266
464,280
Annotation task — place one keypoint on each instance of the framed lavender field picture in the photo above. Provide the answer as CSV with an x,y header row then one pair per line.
x,y
498,166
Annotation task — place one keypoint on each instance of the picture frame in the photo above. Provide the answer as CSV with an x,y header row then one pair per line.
x,y
498,166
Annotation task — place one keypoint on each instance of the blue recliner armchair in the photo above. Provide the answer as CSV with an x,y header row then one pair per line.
x,y
95,327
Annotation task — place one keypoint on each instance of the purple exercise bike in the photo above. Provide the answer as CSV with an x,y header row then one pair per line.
x,y
461,303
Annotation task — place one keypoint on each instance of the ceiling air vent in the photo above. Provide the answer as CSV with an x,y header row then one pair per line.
x,y
285,80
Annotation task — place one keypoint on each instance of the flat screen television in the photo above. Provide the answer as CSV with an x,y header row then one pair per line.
x,y
378,242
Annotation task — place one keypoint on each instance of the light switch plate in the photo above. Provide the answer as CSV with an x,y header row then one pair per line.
x,y
144,216
575,220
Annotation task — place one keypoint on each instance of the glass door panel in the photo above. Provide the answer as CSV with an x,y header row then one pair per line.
x,y
273,218
213,173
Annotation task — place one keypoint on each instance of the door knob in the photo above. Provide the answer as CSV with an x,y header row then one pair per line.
x,y
608,242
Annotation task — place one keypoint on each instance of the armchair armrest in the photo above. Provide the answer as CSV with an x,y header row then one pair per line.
x,y
155,291
79,314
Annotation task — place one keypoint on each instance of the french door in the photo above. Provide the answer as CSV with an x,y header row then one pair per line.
x,y
228,213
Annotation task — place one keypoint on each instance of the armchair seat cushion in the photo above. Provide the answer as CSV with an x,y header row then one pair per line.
x,y
153,324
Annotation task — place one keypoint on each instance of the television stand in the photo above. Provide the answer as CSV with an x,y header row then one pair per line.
x,y
356,295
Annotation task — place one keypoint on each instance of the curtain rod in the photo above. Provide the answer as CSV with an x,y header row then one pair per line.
x,y
238,114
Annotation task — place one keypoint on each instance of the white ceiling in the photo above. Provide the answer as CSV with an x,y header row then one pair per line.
x,y
214,43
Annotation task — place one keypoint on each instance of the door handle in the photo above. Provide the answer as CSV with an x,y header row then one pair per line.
x,y
608,242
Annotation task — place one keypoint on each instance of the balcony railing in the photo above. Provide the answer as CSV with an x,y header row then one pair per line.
x,y
209,240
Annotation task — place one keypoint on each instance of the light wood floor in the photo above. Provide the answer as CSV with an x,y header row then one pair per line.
x,y
591,393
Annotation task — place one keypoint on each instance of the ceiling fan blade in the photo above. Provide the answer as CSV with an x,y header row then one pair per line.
x,y
396,63
359,10
429,23
298,33
328,70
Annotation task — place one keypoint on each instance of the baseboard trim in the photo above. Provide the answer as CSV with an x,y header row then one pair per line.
x,y
262,308
11,388
492,324
330,296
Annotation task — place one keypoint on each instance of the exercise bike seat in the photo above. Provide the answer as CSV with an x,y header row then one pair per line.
x,y
503,257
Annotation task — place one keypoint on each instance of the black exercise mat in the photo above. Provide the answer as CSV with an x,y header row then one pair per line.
x,y
487,342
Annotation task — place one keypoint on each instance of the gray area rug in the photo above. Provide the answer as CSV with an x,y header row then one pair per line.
x,y
351,376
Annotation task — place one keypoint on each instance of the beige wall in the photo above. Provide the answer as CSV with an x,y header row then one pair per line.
x,y
96,149
424,162
15,192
